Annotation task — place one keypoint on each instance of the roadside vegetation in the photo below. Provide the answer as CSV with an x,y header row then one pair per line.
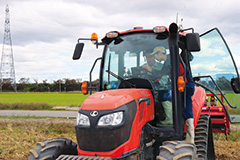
x,y
25,106
19,136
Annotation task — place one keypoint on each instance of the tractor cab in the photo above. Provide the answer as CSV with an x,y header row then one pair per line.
x,y
124,57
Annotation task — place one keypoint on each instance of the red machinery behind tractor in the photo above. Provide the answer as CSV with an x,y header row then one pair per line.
x,y
219,117
123,119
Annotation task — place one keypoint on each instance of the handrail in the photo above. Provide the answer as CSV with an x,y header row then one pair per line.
x,y
218,100
217,88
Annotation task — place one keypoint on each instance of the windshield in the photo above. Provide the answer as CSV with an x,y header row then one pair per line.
x,y
127,58
214,60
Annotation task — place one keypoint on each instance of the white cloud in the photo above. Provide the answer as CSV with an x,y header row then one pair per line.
x,y
212,47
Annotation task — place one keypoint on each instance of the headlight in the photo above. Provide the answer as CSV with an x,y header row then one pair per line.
x,y
83,120
113,119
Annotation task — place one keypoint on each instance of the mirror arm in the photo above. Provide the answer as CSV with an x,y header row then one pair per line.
x,y
96,41
83,39
182,30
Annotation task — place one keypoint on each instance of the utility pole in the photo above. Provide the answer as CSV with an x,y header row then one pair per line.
x,y
7,70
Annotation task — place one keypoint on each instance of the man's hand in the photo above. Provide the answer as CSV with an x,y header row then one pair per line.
x,y
147,67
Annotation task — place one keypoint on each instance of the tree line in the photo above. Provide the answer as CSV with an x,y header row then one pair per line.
x,y
65,85
60,85
222,82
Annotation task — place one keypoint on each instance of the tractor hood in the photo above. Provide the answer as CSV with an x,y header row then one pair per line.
x,y
112,99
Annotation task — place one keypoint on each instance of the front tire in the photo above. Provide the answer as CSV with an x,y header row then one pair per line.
x,y
177,150
51,149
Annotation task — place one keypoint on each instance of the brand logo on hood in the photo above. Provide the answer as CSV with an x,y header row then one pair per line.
x,y
94,113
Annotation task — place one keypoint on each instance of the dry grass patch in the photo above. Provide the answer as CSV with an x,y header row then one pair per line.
x,y
25,106
228,149
18,137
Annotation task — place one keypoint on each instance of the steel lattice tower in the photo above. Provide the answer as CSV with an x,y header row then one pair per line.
x,y
7,71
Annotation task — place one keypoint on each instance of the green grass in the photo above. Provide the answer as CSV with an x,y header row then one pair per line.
x,y
52,99
233,137
234,100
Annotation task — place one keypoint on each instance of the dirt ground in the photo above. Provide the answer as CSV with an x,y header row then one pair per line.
x,y
228,150
235,128
224,150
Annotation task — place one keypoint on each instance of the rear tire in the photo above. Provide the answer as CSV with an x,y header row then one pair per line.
x,y
177,150
51,149
204,138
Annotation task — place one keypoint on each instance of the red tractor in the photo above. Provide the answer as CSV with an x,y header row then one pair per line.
x,y
123,119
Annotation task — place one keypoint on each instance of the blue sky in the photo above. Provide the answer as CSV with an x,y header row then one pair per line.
x,y
44,33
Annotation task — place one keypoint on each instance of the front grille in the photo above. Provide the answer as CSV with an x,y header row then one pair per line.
x,y
102,139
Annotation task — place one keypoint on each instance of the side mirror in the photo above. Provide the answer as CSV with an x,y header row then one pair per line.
x,y
235,83
193,42
78,51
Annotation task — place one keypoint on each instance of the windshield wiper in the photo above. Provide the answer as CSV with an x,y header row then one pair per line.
x,y
121,79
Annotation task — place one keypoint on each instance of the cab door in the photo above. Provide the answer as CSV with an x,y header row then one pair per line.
x,y
215,63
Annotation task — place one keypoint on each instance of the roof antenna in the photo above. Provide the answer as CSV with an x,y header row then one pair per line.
x,y
177,19
180,26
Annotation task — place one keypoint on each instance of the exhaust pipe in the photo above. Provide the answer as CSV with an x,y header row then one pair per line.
x,y
173,28
174,51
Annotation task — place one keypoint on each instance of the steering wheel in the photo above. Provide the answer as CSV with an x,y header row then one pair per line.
x,y
140,72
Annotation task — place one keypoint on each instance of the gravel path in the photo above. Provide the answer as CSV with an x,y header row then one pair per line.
x,y
58,114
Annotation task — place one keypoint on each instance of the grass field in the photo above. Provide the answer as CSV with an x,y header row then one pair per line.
x,y
234,100
46,100
52,99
